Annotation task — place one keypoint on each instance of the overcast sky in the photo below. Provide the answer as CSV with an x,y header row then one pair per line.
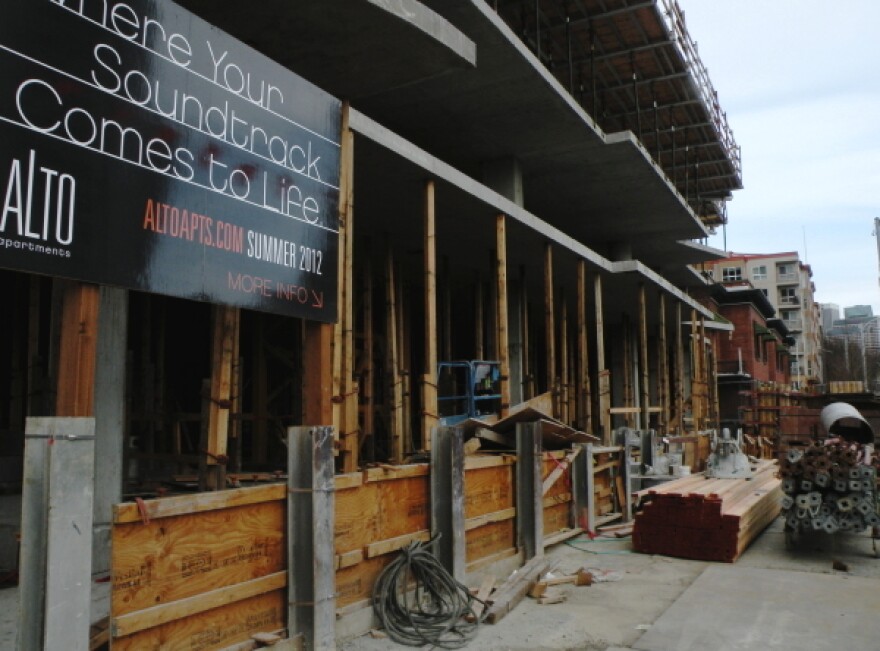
x,y
800,82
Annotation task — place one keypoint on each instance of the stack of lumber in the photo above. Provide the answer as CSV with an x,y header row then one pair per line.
x,y
708,519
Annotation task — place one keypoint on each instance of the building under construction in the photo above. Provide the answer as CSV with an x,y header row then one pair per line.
x,y
268,265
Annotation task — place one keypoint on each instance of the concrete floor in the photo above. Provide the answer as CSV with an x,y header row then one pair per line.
x,y
666,604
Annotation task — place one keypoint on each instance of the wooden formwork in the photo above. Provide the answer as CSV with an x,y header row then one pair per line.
x,y
199,572
381,510
208,570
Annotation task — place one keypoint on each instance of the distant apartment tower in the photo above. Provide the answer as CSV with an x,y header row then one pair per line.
x,y
787,284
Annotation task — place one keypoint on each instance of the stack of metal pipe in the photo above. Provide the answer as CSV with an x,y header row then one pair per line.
x,y
830,487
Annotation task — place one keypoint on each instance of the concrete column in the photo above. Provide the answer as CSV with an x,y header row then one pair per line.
x,y
56,534
310,524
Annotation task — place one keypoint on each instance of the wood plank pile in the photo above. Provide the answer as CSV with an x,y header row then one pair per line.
x,y
707,519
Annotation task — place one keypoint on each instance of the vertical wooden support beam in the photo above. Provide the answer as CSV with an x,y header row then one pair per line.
x,y
429,379
395,392
404,356
56,544
369,373
479,352
260,390
696,372
679,370
604,379
529,490
663,365
225,331
704,375
347,413
564,416
77,355
318,379
447,499
237,392
583,408
628,393
550,326
527,371
643,358
501,309
310,523
34,368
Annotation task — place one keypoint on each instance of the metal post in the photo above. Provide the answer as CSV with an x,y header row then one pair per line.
x,y
529,490
56,543
310,524
447,498
591,487
580,486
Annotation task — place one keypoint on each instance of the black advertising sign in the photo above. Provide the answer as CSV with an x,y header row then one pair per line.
x,y
144,148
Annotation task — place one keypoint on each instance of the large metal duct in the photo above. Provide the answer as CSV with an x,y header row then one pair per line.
x,y
843,420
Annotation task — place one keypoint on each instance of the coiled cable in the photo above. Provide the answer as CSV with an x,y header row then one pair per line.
x,y
419,602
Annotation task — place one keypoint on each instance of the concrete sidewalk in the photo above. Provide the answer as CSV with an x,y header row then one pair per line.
x,y
641,610
666,604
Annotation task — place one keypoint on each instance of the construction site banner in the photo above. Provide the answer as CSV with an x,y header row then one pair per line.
x,y
142,147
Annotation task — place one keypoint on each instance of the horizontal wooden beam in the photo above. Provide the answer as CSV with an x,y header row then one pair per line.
x,y
197,503
157,615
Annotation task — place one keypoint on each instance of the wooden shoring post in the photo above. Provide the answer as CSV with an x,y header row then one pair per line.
x,y
529,490
643,358
260,390
310,524
34,368
501,315
225,329
704,374
492,300
447,499
478,319
526,345
318,376
392,366
369,373
628,395
604,375
583,407
346,390
404,357
679,370
550,327
695,372
564,416
235,398
429,379
662,365
78,350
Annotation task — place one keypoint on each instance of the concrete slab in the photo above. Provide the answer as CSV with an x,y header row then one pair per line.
x,y
730,608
